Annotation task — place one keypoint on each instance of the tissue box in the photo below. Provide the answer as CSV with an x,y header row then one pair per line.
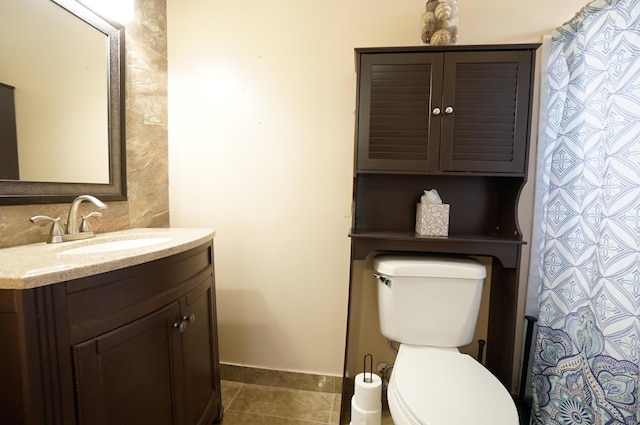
x,y
432,219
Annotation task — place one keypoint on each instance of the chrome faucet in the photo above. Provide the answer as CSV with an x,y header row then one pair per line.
x,y
72,219
73,232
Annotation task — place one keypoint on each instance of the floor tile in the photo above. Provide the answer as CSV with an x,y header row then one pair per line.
x,y
335,410
232,417
283,402
229,391
249,404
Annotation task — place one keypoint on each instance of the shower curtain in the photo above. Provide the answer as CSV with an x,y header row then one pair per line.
x,y
587,349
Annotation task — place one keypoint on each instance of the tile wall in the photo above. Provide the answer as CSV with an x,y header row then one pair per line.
x,y
277,378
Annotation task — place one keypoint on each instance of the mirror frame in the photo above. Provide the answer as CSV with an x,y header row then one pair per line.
x,y
15,192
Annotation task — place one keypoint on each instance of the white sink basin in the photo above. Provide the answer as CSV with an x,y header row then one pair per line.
x,y
119,245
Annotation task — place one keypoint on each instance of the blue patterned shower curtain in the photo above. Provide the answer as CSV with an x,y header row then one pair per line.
x,y
587,349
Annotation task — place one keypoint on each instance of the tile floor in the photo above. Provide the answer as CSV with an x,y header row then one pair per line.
x,y
249,404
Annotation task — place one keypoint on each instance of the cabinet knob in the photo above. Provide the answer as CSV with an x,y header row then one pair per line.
x,y
448,110
191,318
436,111
180,326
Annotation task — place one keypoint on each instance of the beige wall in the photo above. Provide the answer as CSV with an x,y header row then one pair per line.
x,y
146,134
261,103
261,112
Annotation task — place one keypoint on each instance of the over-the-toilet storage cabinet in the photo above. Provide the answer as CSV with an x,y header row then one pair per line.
x,y
455,118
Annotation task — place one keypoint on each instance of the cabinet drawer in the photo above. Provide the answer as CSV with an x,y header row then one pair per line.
x,y
98,304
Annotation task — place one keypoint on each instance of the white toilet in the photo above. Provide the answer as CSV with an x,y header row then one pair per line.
x,y
430,306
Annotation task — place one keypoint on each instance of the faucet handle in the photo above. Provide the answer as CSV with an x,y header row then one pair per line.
x,y
85,226
56,233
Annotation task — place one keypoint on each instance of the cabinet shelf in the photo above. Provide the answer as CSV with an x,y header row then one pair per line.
x,y
392,234
504,249
439,173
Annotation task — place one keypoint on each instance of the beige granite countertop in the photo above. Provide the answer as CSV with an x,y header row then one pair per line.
x,y
34,265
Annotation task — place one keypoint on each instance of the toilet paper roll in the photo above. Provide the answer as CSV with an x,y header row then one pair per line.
x,y
368,395
362,417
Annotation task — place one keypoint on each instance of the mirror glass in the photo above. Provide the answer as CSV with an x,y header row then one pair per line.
x,y
61,82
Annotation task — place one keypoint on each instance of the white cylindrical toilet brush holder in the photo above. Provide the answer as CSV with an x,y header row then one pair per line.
x,y
366,403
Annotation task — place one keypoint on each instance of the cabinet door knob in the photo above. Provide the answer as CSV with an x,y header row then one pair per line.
x,y
448,110
191,318
180,326
436,111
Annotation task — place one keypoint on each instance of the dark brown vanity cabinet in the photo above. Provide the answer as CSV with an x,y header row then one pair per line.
x,y
443,111
457,119
133,346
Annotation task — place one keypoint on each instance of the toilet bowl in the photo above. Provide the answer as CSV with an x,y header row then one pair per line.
x,y
430,306
441,386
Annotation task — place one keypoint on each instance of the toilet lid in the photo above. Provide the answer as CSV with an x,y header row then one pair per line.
x,y
437,386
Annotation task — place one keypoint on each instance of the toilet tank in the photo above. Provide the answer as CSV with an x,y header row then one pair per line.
x,y
431,301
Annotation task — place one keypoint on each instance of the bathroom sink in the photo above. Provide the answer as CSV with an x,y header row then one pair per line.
x,y
102,247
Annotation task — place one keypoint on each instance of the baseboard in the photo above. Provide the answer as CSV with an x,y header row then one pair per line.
x,y
282,379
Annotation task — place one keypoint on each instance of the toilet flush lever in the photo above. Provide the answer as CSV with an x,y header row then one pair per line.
x,y
382,279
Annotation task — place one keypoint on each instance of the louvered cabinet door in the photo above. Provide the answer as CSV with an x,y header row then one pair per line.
x,y
397,130
485,121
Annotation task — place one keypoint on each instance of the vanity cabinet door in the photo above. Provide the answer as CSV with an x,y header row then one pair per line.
x,y
126,376
199,345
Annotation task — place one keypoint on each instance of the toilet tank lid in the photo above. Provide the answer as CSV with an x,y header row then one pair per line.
x,y
423,266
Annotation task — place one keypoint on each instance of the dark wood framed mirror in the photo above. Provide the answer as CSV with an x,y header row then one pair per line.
x,y
109,130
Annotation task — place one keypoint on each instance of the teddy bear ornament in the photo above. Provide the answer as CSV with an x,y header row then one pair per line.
x,y
440,22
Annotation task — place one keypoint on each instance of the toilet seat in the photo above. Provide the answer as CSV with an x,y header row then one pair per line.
x,y
441,386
